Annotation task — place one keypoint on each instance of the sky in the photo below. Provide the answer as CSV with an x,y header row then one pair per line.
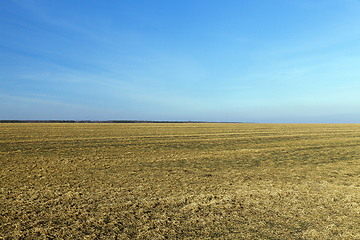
x,y
266,61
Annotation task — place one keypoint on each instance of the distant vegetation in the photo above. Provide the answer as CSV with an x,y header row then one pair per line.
x,y
179,181
92,121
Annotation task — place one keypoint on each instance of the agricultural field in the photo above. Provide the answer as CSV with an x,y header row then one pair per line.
x,y
179,181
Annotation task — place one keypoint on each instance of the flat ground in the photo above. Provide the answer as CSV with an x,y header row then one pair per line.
x,y
179,181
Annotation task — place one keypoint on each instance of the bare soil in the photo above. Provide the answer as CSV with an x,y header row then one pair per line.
x,y
179,181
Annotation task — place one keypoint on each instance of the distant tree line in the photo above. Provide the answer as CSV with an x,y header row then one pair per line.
x,y
91,121
41,121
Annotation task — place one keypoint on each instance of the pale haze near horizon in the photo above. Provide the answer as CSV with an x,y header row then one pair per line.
x,y
247,61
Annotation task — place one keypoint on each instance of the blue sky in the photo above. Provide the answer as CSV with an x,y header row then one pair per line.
x,y
248,61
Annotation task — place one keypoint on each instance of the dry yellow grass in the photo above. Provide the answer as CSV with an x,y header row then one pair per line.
x,y
179,181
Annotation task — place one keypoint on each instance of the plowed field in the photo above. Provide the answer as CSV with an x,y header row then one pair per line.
x,y
179,181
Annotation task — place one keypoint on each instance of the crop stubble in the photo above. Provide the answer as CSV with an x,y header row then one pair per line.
x,y
181,180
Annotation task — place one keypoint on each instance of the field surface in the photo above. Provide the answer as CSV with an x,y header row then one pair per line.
x,y
179,181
